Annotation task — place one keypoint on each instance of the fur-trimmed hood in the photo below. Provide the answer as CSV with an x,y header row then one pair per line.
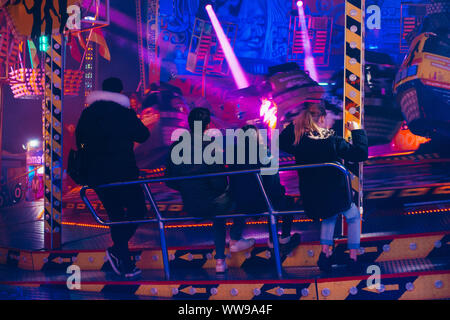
x,y
118,98
323,133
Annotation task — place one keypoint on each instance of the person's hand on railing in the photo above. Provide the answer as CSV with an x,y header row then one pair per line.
x,y
352,125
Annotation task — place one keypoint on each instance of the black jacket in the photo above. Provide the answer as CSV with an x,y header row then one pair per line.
x,y
108,130
199,196
245,189
323,189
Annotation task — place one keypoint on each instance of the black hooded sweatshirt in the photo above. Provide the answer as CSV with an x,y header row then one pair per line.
x,y
108,129
201,197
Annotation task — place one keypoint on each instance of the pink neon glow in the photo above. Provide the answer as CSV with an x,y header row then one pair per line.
x,y
269,111
310,64
236,69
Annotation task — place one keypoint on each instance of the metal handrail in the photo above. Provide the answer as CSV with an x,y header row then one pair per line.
x,y
161,220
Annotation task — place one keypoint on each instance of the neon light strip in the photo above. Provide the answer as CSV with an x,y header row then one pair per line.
x,y
180,226
198,225
427,211
393,154
236,69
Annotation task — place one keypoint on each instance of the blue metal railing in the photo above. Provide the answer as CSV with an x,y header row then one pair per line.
x,y
160,220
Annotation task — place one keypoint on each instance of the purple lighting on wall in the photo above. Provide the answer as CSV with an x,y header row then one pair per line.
x,y
235,67
310,64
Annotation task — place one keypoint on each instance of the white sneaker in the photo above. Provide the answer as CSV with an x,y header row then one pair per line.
x,y
221,265
280,241
241,245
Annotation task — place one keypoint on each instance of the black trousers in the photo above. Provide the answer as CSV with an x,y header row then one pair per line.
x,y
123,203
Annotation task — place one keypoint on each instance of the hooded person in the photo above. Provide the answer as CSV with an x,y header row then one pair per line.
x,y
107,130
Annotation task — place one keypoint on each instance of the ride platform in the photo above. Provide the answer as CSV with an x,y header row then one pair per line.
x,y
405,238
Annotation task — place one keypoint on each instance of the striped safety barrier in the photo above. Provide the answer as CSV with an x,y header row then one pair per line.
x,y
53,139
354,83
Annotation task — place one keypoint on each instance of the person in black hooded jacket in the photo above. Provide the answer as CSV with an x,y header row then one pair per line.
x,y
206,197
323,190
246,191
107,131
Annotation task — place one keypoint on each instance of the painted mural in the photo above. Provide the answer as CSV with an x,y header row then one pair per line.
x,y
264,27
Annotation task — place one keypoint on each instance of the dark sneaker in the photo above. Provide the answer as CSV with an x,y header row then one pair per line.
x,y
325,263
289,246
355,267
281,241
131,272
114,261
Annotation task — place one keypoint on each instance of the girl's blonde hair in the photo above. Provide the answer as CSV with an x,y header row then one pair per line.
x,y
307,119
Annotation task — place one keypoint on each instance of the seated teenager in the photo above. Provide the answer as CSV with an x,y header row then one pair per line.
x,y
247,193
323,190
206,197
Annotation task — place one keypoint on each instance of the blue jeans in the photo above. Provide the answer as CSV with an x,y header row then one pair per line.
x,y
354,228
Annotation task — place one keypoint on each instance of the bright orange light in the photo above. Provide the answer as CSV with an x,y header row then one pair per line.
x,y
406,140
268,110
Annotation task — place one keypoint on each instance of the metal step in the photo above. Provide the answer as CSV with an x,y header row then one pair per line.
x,y
374,249
409,279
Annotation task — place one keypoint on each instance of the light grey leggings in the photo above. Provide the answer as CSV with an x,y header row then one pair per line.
x,y
354,228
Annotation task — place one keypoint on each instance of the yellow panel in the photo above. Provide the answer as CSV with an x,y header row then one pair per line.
x,y
92,287
148,260
38,260
300,256
237,258
400,248
90,260
244,291
210,263
425,288
163,291
338,290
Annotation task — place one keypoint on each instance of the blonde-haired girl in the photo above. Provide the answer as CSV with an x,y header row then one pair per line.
x,y
323,189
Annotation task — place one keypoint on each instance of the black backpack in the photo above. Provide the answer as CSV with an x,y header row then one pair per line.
x,y
77,166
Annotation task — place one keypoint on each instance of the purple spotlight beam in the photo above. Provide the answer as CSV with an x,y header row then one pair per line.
x,y
236,69
310,64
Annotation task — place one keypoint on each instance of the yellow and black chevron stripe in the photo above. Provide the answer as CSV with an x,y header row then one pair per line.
x,y
373,250
419,286
354,63
53,142
354,81
403,286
